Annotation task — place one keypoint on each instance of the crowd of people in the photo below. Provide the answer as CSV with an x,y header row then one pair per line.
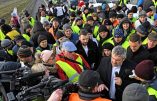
x,y
110,52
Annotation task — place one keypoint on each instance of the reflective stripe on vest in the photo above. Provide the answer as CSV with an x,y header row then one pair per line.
x,y
2,36
95,33
152,91
76,29
10,52
32,22
26,37
70,71
155,3
132,32
145,41
123,1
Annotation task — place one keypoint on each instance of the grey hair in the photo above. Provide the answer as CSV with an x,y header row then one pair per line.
x,y
119,51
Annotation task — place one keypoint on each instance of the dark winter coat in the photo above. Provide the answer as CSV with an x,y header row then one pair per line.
x,y
138,56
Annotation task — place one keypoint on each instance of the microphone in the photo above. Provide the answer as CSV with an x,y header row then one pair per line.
x,y
116,74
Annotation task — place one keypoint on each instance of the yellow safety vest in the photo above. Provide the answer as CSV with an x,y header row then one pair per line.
x,y
152,91
132,32
32,22
95,32
71,10
12,34
76,29
125,44
125,2
155,3
69,71
2,36
145,41
26,37
10,52
84,17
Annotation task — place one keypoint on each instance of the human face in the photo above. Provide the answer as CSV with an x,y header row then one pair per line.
x,y
103,34
55,24
118,39
112,19
125,26
130,15
109,27
151,44
139,8
84,39
68,33
28,59
43,44
79,22
134,45
142,19
106,52
51,60
90,22
68,54
116,60
90,35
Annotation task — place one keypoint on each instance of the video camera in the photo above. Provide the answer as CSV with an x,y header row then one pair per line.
x,y
43,90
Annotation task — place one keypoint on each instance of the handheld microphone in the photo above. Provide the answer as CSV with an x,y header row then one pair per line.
x,y
116,74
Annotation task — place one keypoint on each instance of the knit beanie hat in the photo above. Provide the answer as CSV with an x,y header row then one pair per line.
x,y
148,10
118,33
5,43
120,16
59,34
89,18
24,51
41,38
129,11
107,22
89,78
135,92
45,55
112,14
145,70
103,28
108,46
141,29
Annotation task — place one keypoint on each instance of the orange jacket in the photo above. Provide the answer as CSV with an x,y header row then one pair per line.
x,y
75,97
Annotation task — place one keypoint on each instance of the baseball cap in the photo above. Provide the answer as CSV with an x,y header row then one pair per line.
x,y
69,46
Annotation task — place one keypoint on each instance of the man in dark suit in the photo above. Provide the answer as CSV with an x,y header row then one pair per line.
x,y
88,49
114,73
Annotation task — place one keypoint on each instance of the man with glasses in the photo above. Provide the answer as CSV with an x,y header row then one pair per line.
x,y
68,63
113,72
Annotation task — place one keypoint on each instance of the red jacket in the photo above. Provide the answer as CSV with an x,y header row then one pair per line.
x,y
75,66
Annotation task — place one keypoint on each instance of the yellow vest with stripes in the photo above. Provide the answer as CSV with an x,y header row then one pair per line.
x,y
2,36
69,71
152,92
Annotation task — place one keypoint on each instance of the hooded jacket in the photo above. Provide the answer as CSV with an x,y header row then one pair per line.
x,y
38,30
